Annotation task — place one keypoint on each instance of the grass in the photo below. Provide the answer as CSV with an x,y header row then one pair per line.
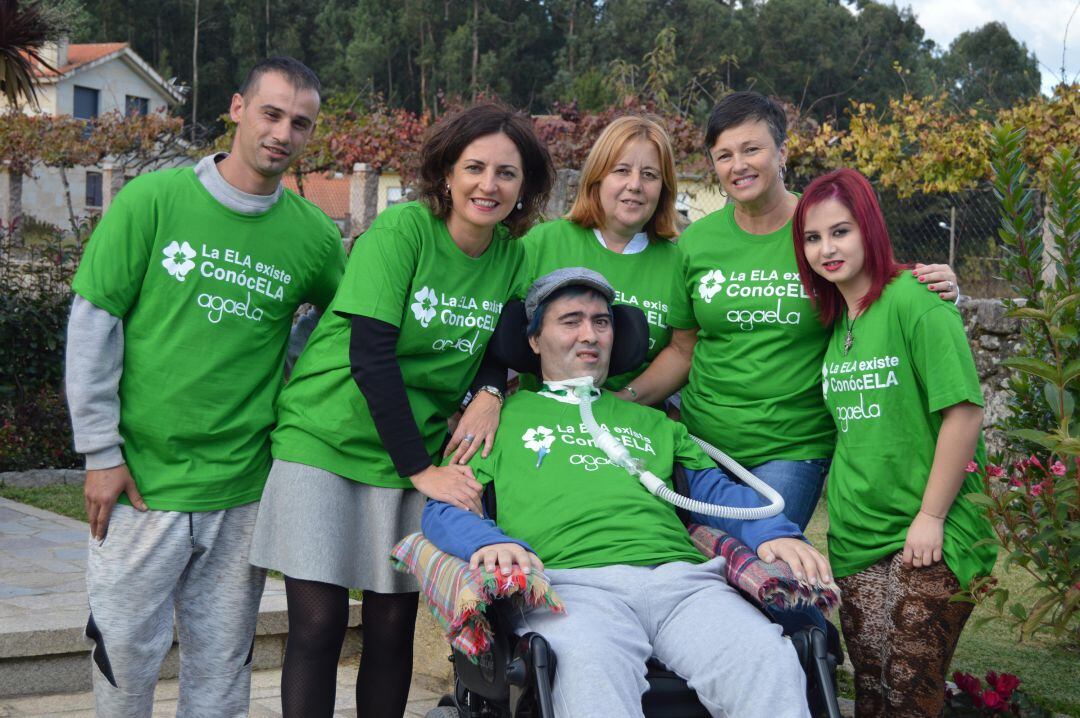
x,y
1050,673
63,499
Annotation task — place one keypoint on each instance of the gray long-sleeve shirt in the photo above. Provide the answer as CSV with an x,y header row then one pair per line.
x,y
95,344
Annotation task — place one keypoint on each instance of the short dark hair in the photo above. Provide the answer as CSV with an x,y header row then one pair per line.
x,y
448,139
745,106
569,291
297,73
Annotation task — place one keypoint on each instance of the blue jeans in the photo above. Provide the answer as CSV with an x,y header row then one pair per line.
x,y
799,482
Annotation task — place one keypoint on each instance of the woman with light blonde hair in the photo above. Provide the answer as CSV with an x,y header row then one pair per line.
x,y
621,225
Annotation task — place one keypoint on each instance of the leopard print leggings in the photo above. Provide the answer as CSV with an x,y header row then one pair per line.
x,y
901,631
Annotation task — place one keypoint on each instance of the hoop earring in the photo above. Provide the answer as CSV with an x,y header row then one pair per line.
x,y
781,172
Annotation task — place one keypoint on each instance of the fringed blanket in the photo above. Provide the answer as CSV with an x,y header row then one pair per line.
x,y
458,595
770,584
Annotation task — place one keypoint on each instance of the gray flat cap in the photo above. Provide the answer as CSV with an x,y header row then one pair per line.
x,y
565,277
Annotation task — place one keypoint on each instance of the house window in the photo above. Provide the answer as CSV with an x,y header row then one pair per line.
x,y
395,195
136,106
682,204
93,189
86,103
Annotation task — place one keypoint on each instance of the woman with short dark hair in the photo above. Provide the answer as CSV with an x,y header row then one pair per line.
x,y
754,382
361,421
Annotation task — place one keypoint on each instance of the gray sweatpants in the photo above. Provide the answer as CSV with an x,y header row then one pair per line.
x,y
686,615
152,564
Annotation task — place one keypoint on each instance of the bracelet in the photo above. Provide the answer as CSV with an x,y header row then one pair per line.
x,y
493,390
633,394
939,518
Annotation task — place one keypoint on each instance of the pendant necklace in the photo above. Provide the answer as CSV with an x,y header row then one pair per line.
x,y
848,338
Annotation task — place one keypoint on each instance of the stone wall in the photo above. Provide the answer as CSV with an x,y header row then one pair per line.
x,y
992,337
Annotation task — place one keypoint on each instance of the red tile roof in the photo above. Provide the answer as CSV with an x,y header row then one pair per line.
x,y
82,54
330,194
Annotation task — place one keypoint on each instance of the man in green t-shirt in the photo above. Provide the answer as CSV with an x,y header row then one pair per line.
x,y
184,304
621,560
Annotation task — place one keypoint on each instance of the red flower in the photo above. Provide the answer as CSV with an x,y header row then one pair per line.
x,y
967,683
1057,468
1004,684
1036,490
994,471
971,467
1032,461
992,701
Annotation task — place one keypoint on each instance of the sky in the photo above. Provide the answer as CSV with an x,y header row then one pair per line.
x,y
1039,24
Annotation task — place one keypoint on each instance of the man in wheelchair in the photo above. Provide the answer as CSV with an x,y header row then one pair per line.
x,y
621,560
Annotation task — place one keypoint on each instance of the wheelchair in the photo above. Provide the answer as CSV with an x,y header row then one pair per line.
x,y
513,678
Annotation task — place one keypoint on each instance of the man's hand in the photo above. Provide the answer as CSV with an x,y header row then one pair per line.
x,y
453,484
103,487
922,545
805,561
504,556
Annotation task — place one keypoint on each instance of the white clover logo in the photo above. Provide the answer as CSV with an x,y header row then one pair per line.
x,y
424,306
710,284
178,259
825,380
538,438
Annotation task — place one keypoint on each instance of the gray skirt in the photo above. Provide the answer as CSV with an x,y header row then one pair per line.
x,y
318,526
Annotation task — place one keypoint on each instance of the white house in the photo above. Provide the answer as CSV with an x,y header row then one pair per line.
x,y
89,80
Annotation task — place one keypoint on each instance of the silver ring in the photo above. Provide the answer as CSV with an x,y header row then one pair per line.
x,y
468,437
949,284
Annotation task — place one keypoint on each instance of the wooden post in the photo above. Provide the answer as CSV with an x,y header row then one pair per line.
x,y
952,237
363,198
10,198
112,181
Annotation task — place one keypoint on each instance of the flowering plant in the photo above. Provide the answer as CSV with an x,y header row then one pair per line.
x,y
965,696
1033,507
1034,503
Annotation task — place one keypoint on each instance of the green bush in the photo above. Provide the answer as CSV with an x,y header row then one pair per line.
x,y
35,297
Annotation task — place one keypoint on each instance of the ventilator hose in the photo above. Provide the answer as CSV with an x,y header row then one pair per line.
x,y
620,456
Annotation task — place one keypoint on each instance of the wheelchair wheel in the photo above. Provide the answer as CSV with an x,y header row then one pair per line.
x,y
443,712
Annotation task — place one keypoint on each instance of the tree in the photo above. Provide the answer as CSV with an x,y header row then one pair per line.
x,y
24,29
990,66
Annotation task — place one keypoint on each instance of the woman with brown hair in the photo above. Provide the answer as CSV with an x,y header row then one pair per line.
x,y
361,421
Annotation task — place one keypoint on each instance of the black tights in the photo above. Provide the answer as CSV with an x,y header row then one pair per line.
x,y
318,616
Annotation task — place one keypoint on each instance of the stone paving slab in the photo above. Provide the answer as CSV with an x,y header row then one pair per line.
x,y
43,604
265,698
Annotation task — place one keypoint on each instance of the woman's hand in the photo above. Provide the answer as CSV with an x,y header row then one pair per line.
x,y
504,556
453,484
938,278
806,562
922,547
477,426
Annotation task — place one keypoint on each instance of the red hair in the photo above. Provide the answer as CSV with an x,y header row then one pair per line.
x,y
852,190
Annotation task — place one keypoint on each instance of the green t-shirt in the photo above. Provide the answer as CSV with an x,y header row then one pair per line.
x,y
562,496
650,280
207,296
406,271
753,387
908,361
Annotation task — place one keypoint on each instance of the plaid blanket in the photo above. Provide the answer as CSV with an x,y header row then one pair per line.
x,y
770,584
458,595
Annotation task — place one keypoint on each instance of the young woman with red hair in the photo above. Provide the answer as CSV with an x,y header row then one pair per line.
x,y
901,386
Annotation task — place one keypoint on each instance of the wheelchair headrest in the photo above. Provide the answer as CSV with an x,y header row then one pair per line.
x,y
510,343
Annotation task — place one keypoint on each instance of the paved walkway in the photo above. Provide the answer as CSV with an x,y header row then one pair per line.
x,y
43,611
265,699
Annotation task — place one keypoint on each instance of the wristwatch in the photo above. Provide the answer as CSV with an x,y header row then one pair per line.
x,y
489,389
